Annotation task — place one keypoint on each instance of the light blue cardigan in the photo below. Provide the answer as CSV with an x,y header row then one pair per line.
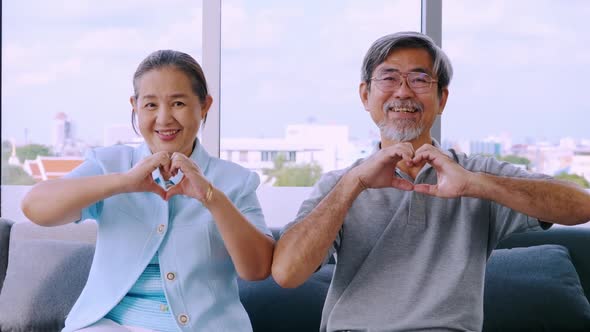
x,y
203,294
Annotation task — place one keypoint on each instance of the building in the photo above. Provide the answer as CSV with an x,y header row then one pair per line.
x,y
326,145
13,159
62,132
46,168
490,148
120,134
581,163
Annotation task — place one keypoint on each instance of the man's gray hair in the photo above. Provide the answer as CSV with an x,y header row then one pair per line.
x,y
383,47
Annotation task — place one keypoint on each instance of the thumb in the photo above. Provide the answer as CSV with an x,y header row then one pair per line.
x,y
174,190
402,184
156,189
427,189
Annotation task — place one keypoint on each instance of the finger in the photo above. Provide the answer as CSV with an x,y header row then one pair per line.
x,y
427,147
402,184
165,162
177,164
428,189
156,189
424,155
407,155
174,190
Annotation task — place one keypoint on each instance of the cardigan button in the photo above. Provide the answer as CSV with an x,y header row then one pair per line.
x,y
170,276
183,319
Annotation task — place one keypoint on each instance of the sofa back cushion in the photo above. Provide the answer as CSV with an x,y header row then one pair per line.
x,y
534,289
5,225
80,232
43,280
575,239
272,308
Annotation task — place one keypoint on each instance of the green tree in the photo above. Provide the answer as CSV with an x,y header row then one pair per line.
x,y
286,174
516,160
31,151
573,178
6,150
15,175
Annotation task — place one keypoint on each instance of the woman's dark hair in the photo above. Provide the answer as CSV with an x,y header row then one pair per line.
x,y
179,60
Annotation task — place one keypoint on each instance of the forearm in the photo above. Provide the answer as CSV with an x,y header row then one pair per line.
x,y
58,202
548,200
303,247
250,250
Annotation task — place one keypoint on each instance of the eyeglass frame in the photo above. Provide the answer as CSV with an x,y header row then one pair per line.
x,y
404,75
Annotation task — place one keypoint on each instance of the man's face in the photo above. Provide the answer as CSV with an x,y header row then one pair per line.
x,y
403,115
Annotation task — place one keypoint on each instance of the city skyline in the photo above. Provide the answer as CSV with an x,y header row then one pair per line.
x,y
511,73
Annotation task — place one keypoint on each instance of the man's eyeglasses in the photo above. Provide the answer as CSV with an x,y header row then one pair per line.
x,y
417,81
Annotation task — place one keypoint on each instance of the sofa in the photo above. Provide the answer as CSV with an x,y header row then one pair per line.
x,y
537,281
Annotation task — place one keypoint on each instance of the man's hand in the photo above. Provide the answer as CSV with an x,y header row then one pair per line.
x,y
193,183
378,171
139,178
452,179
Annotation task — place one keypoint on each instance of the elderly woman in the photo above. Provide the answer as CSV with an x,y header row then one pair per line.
x,y
175,225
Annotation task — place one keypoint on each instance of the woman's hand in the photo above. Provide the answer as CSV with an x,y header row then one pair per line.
x,y
193,183
139,178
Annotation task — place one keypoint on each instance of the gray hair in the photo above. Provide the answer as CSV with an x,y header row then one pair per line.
x,y
385,45
179,60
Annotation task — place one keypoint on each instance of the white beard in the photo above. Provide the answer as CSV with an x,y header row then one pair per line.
x,y
400,130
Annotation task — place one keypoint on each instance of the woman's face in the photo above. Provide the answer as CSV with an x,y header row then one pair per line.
x,y
169,113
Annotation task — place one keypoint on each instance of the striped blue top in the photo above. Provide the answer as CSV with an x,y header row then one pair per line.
x,y
145,305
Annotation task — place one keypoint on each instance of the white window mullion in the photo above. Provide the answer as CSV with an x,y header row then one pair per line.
x,y
212,68
432,26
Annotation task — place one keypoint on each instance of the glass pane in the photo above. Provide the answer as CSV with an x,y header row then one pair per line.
x,y
519,89
289,80
67,69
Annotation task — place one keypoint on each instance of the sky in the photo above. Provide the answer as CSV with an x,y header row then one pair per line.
x,y
525,75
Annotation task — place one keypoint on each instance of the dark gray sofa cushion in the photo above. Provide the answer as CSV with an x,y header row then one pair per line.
x,y
5,226
272,308
575,239
43,280
534,289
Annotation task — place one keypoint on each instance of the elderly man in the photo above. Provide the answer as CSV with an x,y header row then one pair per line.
x,y
412,225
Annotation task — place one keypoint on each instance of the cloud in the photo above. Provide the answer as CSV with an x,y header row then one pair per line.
x,y
496,32
77,10
62,69
256,28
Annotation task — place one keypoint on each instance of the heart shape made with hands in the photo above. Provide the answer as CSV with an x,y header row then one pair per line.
x,y
167,175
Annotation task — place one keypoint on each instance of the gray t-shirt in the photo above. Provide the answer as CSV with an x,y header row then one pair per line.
x,y
412,262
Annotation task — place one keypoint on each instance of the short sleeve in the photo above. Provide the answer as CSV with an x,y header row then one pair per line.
x,y
247,203
321,189
504,219
89,167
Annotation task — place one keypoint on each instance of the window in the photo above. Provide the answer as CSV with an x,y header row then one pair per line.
x,y
265,156
520,81
243,156
288,86
67,67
